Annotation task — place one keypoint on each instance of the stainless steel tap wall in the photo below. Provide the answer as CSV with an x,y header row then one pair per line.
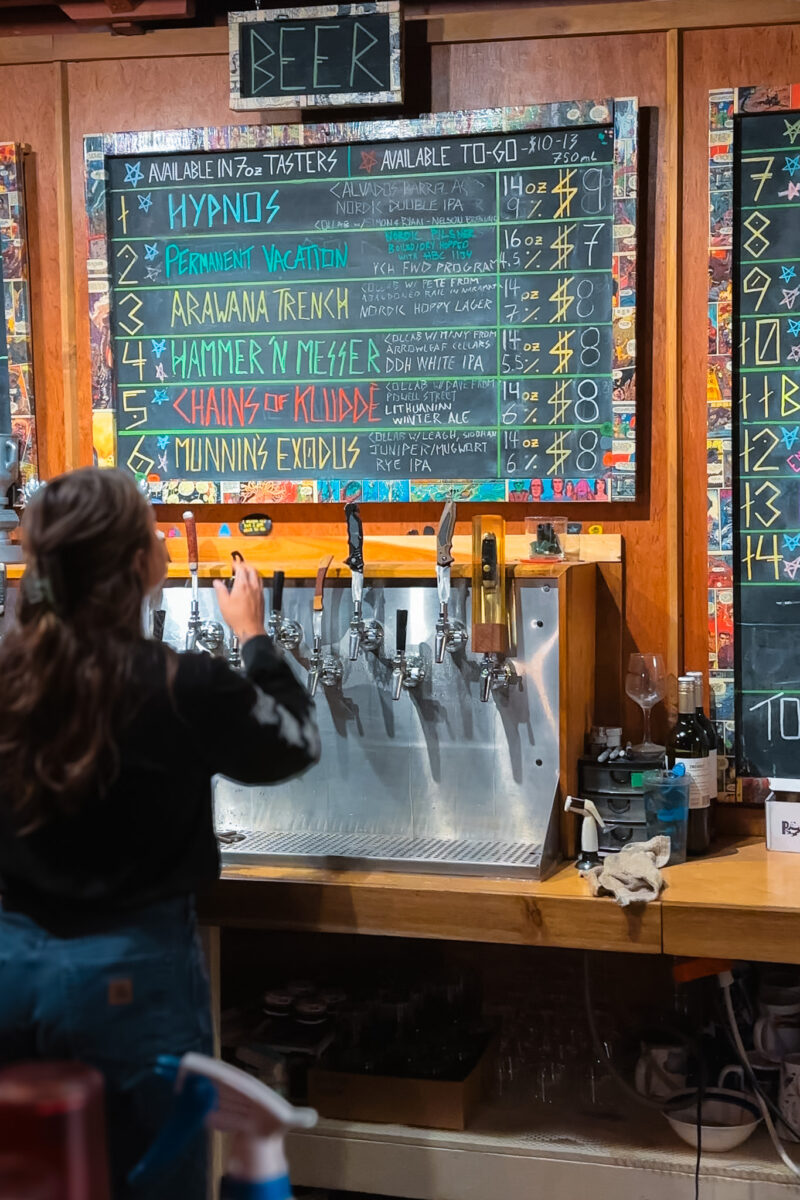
x,y
437,780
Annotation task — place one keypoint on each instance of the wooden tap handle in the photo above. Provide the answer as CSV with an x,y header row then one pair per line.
x,y
191,539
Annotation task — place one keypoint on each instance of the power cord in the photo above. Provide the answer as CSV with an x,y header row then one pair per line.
x,y
726,983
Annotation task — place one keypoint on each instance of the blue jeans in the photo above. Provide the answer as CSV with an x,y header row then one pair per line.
x,y
114,999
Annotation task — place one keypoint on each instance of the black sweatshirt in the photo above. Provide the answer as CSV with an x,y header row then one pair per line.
x,y
151,837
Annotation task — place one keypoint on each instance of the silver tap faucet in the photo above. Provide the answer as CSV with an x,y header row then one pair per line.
x,y
408,669
400,666
368,634
315,661
193,560
450,635
496,675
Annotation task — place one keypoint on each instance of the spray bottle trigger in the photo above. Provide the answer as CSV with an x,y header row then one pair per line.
x,y
196,1099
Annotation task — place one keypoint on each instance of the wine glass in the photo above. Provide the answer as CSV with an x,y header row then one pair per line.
x,y
646,684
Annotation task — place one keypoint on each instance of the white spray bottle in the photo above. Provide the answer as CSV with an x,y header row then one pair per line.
x,y
214,1095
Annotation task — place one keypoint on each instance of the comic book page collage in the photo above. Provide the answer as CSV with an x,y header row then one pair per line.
x,y
14,284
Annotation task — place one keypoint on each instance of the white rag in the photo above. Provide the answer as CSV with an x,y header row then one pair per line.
x,y
632,876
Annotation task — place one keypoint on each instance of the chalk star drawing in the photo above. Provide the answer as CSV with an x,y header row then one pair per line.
x,y
791,568
158,346
794,354
792,164
146,202
790,436
792,191
163,442
369,159
162,462
153,272
150,251
794,327
790,296
792,130
160,396
787,274
791,543
134,174
162,374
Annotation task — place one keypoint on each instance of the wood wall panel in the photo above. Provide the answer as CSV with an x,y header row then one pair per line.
x,y
491,74
711,59
30,111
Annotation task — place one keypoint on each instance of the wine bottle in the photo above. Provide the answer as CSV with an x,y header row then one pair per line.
x,y
709,729
687,743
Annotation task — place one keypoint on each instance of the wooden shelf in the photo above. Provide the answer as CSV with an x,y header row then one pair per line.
x,y
558,912
520,1149
387,557
741,902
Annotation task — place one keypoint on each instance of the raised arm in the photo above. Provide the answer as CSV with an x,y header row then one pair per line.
x,y
258,727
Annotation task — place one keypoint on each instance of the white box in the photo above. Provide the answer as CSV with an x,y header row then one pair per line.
x,y
783,825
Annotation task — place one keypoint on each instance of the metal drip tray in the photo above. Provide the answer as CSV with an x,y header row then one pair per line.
x,y
504,860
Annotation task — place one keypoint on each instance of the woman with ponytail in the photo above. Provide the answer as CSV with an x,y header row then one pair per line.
x,y
108,745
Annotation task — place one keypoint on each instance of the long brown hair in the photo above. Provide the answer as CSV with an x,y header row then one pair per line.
x,y
66,665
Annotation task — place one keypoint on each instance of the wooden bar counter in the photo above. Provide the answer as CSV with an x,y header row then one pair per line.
x,y
558,912
740,902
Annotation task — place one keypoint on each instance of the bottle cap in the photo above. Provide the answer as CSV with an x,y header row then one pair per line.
x,y
686,690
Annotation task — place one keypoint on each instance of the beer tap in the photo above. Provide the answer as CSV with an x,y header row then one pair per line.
x,y
194,612
234,649
205,636
362,633
450,635
408,669
282,629
315,662
489,614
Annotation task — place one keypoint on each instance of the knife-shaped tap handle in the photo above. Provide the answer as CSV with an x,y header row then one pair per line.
x,y
319,587
277,591
402,630
444,535
191,539
355,538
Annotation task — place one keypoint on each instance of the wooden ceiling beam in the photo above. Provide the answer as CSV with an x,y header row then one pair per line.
x,y
504,22
102,12
77,46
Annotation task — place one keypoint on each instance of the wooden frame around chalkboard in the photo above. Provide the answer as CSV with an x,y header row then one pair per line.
x,y
723,105
619,450
17,307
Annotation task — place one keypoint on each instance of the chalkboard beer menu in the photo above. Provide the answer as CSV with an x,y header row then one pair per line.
x,y
384,316
767,444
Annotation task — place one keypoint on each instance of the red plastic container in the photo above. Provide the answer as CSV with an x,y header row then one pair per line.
x,y
52,1119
